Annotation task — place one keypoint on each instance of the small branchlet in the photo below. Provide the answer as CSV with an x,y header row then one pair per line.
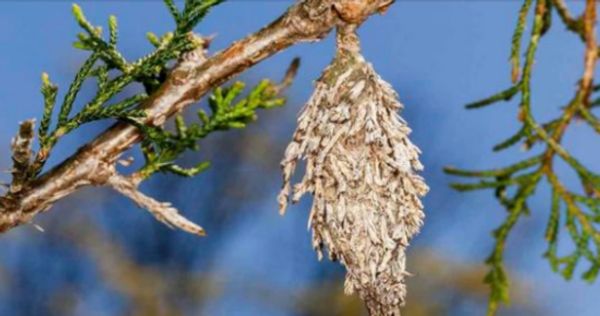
x,y
49,91
162,147
149,70
514,185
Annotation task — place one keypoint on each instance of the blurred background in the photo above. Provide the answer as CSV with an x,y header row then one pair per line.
x,y
101,255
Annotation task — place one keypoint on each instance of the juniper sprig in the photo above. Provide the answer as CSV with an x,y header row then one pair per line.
x,y
577,210
104,58
162,147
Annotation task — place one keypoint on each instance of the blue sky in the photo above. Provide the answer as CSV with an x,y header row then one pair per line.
x,y
439,55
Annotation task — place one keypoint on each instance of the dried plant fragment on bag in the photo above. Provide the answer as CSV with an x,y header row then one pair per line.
x,y
361,169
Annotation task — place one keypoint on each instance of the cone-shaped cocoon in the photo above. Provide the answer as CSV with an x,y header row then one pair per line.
x,y
361,169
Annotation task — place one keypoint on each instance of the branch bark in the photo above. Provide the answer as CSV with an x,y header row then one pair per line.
x,y
307,20
591,51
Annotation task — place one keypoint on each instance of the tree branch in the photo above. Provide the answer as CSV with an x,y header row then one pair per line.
x,y
572,24
591,51
193,77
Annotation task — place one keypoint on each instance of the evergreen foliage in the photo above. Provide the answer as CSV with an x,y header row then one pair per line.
x,y
578,211
160,147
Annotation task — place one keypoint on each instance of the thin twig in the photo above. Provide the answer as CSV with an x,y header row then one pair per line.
x,y
591,51
570,22
163,211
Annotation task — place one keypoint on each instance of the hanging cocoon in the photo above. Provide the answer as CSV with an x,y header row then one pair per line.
x,y
361,170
